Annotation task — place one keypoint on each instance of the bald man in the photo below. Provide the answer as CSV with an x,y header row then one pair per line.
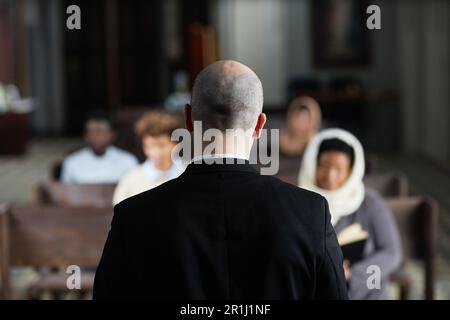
x,y
221,230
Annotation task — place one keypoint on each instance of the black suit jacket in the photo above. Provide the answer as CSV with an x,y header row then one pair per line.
x,y
221,231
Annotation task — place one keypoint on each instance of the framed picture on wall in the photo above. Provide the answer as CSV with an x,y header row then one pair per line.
x,y
340,35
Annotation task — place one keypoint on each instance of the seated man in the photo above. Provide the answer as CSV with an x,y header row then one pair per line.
x,y
155,129
99,162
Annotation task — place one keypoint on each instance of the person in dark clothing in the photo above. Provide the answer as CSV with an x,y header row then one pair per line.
x,y
221,230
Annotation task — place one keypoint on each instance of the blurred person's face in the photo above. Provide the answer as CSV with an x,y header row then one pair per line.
x,y
333,170
300,122
98,136
159,150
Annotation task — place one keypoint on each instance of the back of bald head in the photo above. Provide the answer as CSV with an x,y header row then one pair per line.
x,y
227,95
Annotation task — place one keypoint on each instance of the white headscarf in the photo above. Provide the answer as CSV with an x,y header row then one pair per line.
x,y
348,198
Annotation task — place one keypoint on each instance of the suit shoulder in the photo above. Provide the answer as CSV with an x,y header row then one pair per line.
x,y
298,192
306,210
153,196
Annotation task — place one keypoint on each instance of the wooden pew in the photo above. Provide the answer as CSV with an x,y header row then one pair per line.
x,y
417,222
52,237
388,184
60,194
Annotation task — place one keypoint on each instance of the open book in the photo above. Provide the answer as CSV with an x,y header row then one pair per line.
x,y
352,240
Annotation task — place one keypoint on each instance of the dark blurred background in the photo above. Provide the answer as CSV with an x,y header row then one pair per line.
x,y
392,90
389,87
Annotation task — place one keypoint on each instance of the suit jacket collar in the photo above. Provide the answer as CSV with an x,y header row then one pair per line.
x,y
221,164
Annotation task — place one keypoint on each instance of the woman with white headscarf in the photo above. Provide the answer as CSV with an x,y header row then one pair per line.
x,y
333,166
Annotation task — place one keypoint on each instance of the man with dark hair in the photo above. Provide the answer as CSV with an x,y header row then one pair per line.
x,y
99,161
221,230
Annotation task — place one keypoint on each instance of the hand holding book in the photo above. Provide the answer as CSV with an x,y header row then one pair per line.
x,y
352,240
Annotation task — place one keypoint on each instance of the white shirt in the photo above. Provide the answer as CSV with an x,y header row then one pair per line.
x,y
143,178
216,158
85,167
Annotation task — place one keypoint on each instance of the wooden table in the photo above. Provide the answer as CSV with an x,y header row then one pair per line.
x,y
13,133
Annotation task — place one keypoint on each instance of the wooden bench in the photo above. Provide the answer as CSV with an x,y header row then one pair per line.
x,y
417,223
52,238
61,194
388,184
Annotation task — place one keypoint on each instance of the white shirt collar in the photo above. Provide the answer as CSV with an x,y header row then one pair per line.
x,y
106,155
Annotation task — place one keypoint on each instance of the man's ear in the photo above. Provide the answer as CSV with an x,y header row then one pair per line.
x,y
188,118
259,125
